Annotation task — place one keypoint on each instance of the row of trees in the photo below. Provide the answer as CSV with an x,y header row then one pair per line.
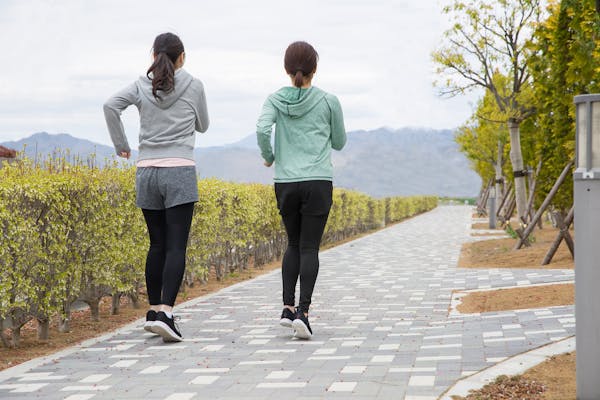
x,y
72,233
530,61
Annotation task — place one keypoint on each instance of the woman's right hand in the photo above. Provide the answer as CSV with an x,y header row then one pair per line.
x,y
125,154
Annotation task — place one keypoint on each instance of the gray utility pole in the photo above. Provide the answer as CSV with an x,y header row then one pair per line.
x,y
587,245
492,207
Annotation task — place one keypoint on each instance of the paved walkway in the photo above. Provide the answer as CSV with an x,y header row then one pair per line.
x,y
381,323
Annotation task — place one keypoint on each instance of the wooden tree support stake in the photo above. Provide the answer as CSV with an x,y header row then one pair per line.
x,y
532,192
509,208
544,205
481,207
519,231
563,225
480,196
507,193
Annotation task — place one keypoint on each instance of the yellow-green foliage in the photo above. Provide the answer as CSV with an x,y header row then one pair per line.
x,y
73,232
399,208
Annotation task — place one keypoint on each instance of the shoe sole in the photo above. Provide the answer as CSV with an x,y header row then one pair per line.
x,y
167,333
149,326
301,329
286,322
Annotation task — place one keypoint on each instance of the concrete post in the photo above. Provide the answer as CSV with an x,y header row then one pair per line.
x,y
587,251
492,207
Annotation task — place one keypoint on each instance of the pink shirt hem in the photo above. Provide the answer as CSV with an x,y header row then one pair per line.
x,y
166,162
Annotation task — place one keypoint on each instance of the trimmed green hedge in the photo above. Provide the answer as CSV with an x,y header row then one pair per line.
x,y
73,233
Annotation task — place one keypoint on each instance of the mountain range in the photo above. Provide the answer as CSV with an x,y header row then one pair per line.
x,y
381,162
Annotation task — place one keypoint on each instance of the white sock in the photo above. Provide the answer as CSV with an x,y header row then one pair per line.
x,y
168,314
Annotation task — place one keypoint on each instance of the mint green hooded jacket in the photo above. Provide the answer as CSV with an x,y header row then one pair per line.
x,y
308,124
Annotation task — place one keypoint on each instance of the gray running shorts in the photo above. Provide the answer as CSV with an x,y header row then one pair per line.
x,y
158,188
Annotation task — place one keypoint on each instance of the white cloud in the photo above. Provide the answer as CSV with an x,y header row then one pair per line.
x,y
61,59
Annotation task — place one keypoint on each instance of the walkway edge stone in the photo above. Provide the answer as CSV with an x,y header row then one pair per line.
x,y
512,366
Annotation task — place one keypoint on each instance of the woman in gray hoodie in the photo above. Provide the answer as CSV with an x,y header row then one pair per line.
x,y
172,107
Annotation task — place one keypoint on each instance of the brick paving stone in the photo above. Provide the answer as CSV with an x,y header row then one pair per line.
x,y
380,316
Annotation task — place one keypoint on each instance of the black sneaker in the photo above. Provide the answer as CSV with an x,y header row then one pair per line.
x,y
301,326
287,316
150,318
166,328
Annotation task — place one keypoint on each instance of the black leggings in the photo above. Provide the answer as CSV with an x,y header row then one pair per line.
x,y
302,256
168,230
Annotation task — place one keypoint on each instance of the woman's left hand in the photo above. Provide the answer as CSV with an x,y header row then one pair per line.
x,y
268,164
125,154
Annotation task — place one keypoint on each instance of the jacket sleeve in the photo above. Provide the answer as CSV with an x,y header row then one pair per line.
x,y
113,107
264,128
201,110
338,131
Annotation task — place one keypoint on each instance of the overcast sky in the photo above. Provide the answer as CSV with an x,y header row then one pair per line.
x,y
61,59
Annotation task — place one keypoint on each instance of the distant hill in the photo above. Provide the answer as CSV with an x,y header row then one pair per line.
x,y
408,161
43,144
382,162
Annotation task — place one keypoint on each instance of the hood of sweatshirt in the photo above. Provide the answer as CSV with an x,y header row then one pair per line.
x,y
297,102
182,82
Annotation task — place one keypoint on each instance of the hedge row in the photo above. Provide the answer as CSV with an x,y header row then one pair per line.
x,y
73,233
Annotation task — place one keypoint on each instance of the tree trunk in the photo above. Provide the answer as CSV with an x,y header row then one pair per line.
x,y
16,336
135,299
43,329
516,158
5,340
498,167
116,303
64,322
94,309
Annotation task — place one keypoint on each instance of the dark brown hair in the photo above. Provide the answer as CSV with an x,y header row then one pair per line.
x,y
167,48
300,61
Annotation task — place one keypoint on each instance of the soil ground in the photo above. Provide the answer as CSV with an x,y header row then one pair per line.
x,y
484,225
553,379
557,375
488,233
518,298
499,253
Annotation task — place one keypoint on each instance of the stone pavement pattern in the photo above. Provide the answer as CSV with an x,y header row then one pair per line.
x,y
380,316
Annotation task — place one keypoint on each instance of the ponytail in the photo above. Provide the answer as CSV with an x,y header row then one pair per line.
x,y
298,79
163,74
167,48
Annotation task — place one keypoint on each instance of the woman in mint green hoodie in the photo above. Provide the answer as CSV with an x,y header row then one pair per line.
x,y
308,124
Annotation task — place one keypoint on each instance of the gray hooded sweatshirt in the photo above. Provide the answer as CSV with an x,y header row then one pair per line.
x,y
168,125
